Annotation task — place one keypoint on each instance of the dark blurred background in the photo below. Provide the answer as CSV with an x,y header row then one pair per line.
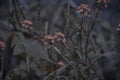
x,y
48,17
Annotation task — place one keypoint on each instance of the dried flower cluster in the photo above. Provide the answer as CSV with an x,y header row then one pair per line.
x,y
118,28
26,23
2,45
61,63
27,26
57,37
104,2
84,9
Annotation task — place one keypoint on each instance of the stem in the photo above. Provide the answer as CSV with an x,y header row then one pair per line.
x,y
68,18
28,64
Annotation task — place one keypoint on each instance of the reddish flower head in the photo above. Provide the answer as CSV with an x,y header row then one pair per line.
x,y
26,23
104,2
84,9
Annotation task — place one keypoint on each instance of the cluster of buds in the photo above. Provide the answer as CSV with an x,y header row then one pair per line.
x,y
103,2
27,27
118,28
52,40
2,45
84,9
61,63
26,23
